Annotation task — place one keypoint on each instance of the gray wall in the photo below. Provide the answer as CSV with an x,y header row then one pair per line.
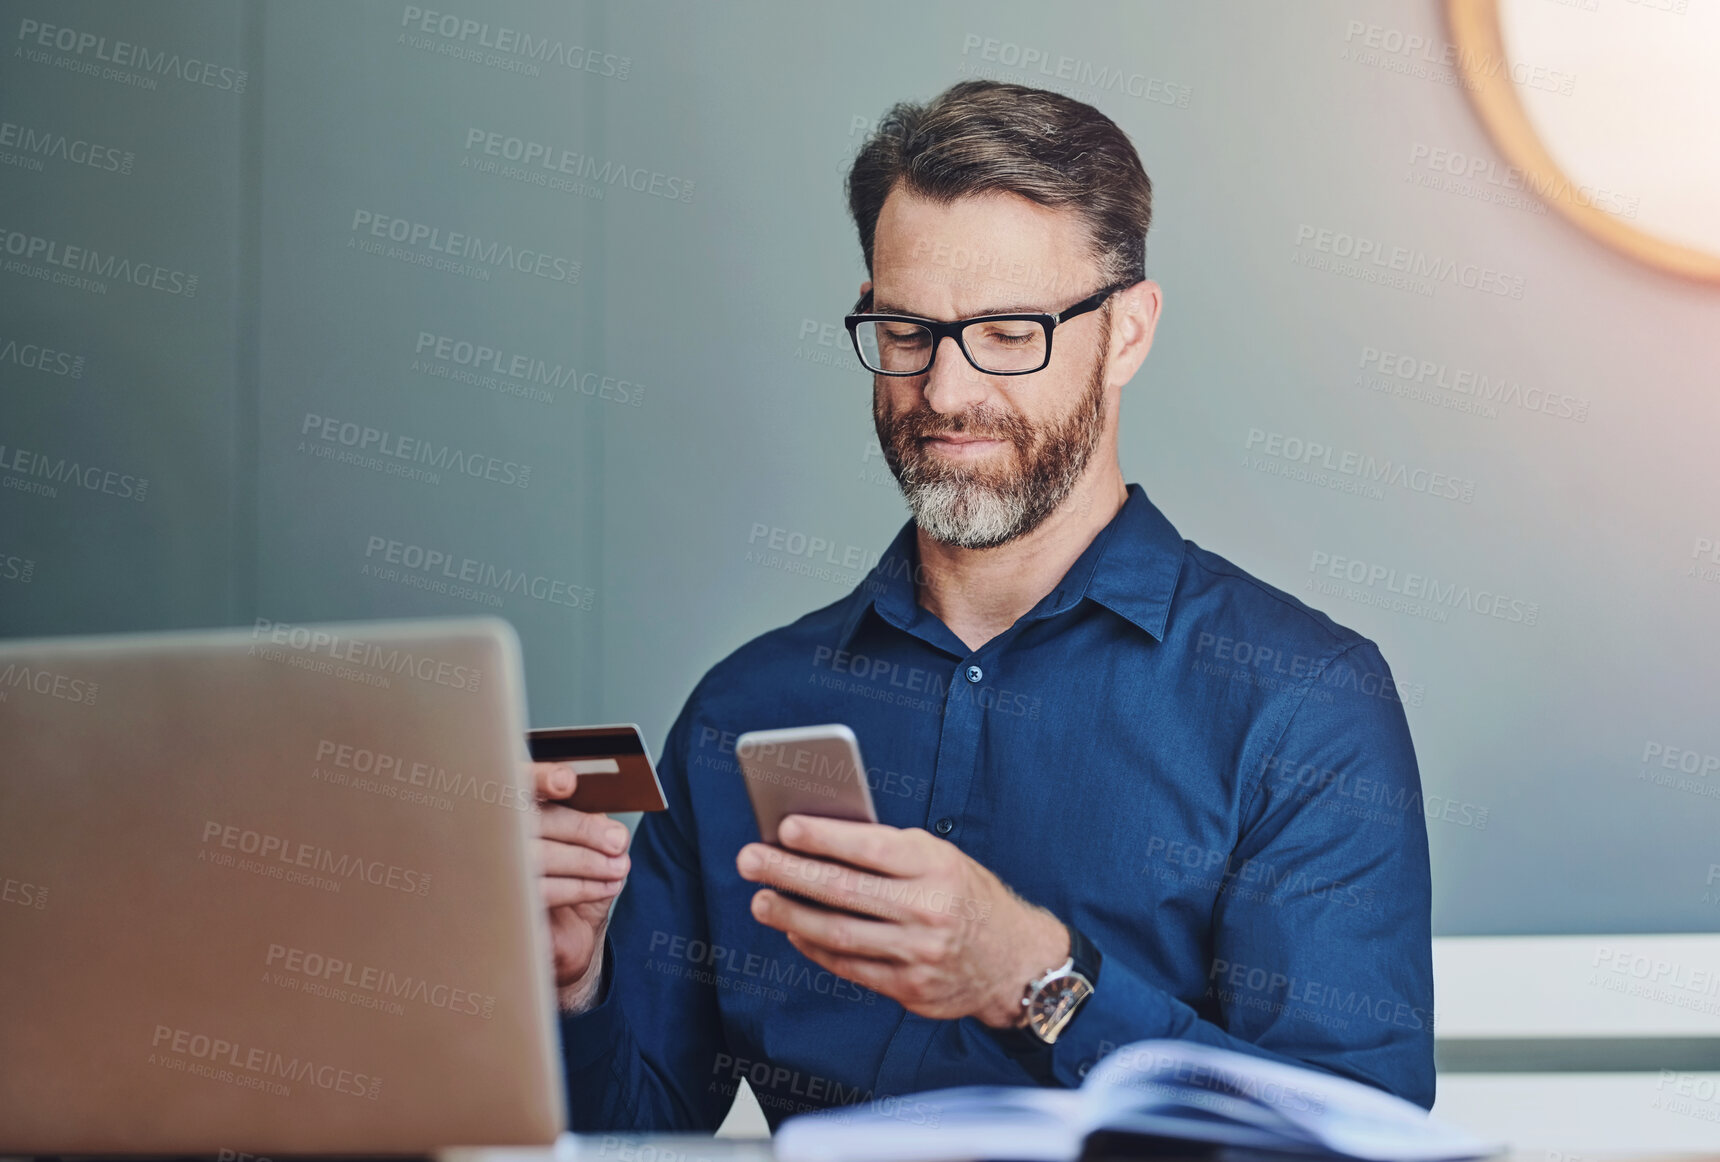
x,y
703,389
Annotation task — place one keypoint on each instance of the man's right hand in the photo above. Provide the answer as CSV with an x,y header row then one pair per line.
x,y
583,860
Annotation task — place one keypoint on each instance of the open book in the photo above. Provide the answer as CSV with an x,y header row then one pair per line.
x,y
1144,1092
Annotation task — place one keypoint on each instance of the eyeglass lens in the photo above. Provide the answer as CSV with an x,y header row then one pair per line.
x,y
1001,345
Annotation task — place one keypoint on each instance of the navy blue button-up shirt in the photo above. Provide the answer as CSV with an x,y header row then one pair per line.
x,y
1212,781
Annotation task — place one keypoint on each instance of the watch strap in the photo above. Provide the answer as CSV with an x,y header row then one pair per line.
x,y
1085,954
1020,1041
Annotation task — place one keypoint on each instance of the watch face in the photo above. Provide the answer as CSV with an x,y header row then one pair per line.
x,y
1054,1005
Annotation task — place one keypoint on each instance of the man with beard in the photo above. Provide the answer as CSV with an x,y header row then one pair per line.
x,y
1125,789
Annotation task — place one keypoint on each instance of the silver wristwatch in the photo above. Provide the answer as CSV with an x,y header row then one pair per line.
x,y
1052,1000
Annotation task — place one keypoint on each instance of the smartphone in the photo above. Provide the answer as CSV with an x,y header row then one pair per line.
x,y
804,770
614,768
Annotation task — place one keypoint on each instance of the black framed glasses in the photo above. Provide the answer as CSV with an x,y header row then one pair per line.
x,y
1012,344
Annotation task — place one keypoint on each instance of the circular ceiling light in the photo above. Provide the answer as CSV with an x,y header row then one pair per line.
x,y
1611,111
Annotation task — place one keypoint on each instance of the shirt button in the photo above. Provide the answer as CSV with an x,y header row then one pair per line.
x,y
945,825
974,673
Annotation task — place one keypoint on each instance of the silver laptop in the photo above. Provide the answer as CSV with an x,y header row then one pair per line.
x,y
271,890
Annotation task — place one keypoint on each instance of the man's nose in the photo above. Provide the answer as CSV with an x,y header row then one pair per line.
x,y
952,383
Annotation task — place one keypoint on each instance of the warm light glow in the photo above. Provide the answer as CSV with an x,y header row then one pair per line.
x,y
1613,109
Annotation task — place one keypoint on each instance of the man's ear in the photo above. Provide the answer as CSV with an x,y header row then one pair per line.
x,y
864,287
1132,327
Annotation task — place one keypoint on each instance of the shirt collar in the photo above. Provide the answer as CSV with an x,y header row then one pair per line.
x,y
1130,568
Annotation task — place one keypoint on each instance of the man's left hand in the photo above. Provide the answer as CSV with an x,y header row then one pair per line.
x,y
938,932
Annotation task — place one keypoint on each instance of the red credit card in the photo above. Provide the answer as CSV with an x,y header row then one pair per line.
x,y
614,768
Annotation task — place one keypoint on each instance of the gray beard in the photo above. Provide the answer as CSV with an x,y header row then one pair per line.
x,y
981,509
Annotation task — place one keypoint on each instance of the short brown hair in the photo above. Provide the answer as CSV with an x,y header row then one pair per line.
x,y
982,136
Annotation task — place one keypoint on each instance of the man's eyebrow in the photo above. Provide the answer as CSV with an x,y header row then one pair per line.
x,y
888,308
